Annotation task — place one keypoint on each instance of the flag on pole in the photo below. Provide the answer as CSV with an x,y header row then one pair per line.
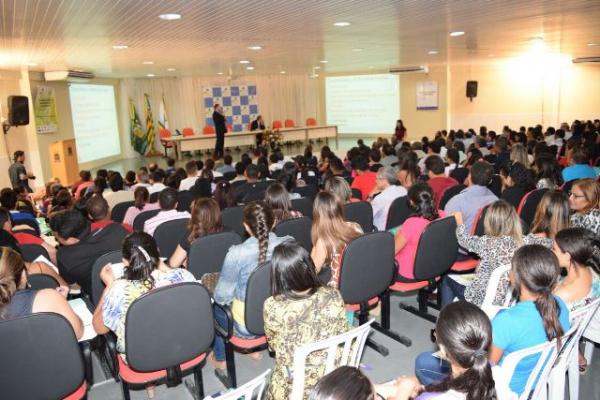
x,y
150,132
138,138
163,122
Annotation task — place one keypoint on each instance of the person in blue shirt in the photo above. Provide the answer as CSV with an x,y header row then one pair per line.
x,y
539,316
579,167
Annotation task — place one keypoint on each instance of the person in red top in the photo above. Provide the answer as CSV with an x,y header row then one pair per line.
x,y
365,179
438,181
99,213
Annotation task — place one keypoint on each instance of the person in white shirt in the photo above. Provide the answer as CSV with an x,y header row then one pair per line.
x,y
191,169
157,181
167,199
117,194
143,179
387,186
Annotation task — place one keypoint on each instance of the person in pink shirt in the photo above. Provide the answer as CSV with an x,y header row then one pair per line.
x,y
421,200
141,197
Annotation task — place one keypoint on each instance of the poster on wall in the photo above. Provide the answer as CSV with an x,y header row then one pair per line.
x,y
240,105
427,95
44,108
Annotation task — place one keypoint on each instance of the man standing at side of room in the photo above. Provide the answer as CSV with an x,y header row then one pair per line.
x,y
220,130
19,177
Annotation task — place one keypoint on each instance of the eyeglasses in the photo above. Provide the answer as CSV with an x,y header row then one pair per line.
x,y
577,196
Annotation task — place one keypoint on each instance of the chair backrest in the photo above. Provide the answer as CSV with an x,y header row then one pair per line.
x,y
437,249
141,218
184,200
207,253
488,305
367,267
309,191
478,229
360,212
42,281
208,130
233,220
97,285
450,193
580,320
298,228
168,234
41,358
230,175
248,391
356,193
340,350
311,122
30,252
289,123
187,132
398,212
529,204
257,291
164,133
117,214
177,330
277,124
254,195
229,127
304,205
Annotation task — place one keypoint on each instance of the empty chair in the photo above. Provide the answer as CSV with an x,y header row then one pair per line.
x,y
450,193
529,204
208,130
488,305
360,212
277,124
311,122
207,253
113,257
289,123
187,132
303,205
168,234
298,228
41,359
30,252
119,210
309,191
233,220
248,391
141,218
398,213
165,135
42,281
184,200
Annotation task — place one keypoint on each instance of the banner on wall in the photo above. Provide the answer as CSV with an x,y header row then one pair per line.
x,y
240,105
427,95
150,131
44,108
138,138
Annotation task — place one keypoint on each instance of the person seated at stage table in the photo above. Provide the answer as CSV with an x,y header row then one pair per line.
x,y
258,124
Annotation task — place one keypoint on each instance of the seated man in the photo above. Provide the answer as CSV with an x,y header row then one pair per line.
x,y
387,190
117,193
438,181
167,199
157,179
80,247
252,184
579,167
99,213
191,169
227,167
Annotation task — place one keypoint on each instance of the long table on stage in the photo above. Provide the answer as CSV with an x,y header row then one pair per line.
x,y
247,138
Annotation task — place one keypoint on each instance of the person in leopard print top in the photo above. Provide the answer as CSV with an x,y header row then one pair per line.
x,y
584,199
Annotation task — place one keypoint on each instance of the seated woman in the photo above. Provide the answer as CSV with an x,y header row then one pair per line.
x,y
503,235
551,215
461,371
330,234
143,271
239,263
517,181
205,219
584,200
409,172
406,239
343,383
224,194
17,300
301,310
340,187
141,203
278,199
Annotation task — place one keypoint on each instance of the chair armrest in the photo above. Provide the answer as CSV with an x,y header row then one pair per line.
x,y
225,334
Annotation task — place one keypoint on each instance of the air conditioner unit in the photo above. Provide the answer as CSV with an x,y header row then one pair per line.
x,y
70,75
583,60
405,70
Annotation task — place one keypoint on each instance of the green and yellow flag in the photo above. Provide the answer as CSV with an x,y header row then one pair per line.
x,y
150,132
138,138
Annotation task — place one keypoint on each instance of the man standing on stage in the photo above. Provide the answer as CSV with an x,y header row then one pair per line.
x,y
220,129
19,177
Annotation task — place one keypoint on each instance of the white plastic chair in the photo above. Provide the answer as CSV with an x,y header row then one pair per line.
x,y
591,336
488,305
248,391
567,362
351,345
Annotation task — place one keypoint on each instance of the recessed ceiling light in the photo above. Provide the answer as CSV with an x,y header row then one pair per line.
x,y
341,24
150,75
169,16
371,67
244,62
254,47
323,61
593,44
456,33
282,72
32,64
171,69
120,46
357,49
313,76
317,67
432,52
148,62
220,73
250,68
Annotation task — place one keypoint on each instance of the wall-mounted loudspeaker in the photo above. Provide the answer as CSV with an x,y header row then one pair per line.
x,y
18,110
471,89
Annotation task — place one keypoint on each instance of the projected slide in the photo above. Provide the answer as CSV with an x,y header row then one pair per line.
x,y
94,121
363,103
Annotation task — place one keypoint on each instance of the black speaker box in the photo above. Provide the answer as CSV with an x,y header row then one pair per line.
x,y
18,110
471,89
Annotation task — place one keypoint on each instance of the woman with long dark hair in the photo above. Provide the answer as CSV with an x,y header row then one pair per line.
x,y
344,383
551,214
224,194
141,203
278,199
517,181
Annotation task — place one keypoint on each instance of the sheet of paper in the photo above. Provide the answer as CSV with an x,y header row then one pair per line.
x,y
45,260
463,279
80,308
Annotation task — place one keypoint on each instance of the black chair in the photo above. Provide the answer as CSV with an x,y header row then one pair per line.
x,y
258,290
360,212
233,220
207,253
168,234
184,200
179,341
304,205
479,219
141,218
450,193
118,212
42,281
113,257
298,228
309,191
460,174
254,195
30,252
398,213
372,252
496,185
436,252
41,359
356,193
154,197
230,175
529,204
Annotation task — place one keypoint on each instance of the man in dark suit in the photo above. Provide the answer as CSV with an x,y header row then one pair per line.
x,y
258,124
220,129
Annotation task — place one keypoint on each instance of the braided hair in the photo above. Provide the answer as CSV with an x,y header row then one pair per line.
x,y
259,218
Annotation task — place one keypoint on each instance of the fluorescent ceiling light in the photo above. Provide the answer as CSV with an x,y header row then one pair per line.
x,y
341,24
120,46
32,64
244,62
456,33
150,75
171,69
357,49
323,61
317,67
432,52
593,44
219,73
282,72
170,16
148,62
313,76
250,68
254,47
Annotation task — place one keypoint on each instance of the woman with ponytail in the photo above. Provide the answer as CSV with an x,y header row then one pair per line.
x,y
239,263
538,317
141,203
143,270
